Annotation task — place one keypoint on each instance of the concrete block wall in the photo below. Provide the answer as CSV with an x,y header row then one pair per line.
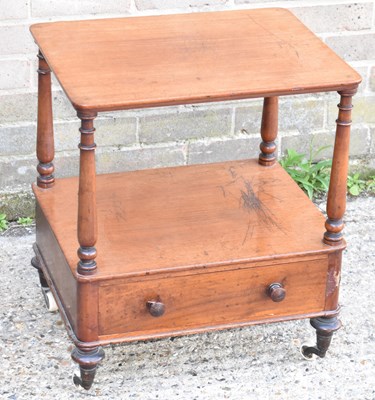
x,y
184,134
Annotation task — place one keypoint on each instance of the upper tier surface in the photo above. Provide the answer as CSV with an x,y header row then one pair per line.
x,y
136,62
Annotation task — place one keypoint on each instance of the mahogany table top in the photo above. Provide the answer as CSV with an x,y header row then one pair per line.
x,y
137,62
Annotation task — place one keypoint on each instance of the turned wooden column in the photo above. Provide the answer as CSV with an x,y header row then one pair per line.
x,y
87,357
336,202
87,224
45,148
268,131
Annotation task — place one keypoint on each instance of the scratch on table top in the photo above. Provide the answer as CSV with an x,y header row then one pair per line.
x,y
251,203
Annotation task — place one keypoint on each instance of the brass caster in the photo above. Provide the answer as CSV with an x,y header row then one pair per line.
x,y
86,379
307,353
88,359
325,327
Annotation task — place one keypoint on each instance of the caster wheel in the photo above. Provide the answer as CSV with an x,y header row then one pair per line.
x,y
76,378
309,356
49,299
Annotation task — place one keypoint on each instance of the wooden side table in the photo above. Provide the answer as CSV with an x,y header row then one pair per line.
x,y
174,251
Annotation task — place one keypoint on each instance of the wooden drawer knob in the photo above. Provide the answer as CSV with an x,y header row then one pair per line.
x,y
276,292
156,308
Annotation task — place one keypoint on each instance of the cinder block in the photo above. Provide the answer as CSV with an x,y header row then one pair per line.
x,y
363,110
366,80
23,107
372,79
34,76
173,4
109,132
359,143
184,125
302,116
16,39
17,172
116,131
248,118
67,135
294,115
18,107
17,140
336,18
223,150
66,165
23,171
17,204
14,74
50,8
141,158
21,140
372,145
354,47
15,9
62,108
304,144
128,159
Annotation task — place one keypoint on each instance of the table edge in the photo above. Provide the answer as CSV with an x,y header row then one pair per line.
x,y
83,108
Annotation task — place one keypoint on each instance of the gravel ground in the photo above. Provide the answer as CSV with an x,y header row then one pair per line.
x,y
260,362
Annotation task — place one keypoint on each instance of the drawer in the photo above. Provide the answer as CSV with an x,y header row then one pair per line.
x,y
203,300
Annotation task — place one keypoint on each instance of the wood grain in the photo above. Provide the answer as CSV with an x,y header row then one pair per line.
x,y
114,64
185,217
56,268
208,299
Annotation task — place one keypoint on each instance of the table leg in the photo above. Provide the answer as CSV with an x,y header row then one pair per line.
x,y
87,358
45,149
87,224
268,131
336,202
325,327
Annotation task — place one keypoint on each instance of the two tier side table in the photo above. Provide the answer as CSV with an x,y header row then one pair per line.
x,y
174,251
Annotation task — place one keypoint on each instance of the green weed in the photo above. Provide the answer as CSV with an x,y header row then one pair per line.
x,y
356,185
3,222
312,177
25,221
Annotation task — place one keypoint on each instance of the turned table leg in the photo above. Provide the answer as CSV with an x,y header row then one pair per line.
x,y
45,142
336,202
325,327
45,150
87,224
268,131
87,358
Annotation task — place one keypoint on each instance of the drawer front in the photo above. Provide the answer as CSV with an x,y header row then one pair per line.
x,y
211,299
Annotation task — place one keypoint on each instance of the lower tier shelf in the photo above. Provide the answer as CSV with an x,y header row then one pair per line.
x,y
203,243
